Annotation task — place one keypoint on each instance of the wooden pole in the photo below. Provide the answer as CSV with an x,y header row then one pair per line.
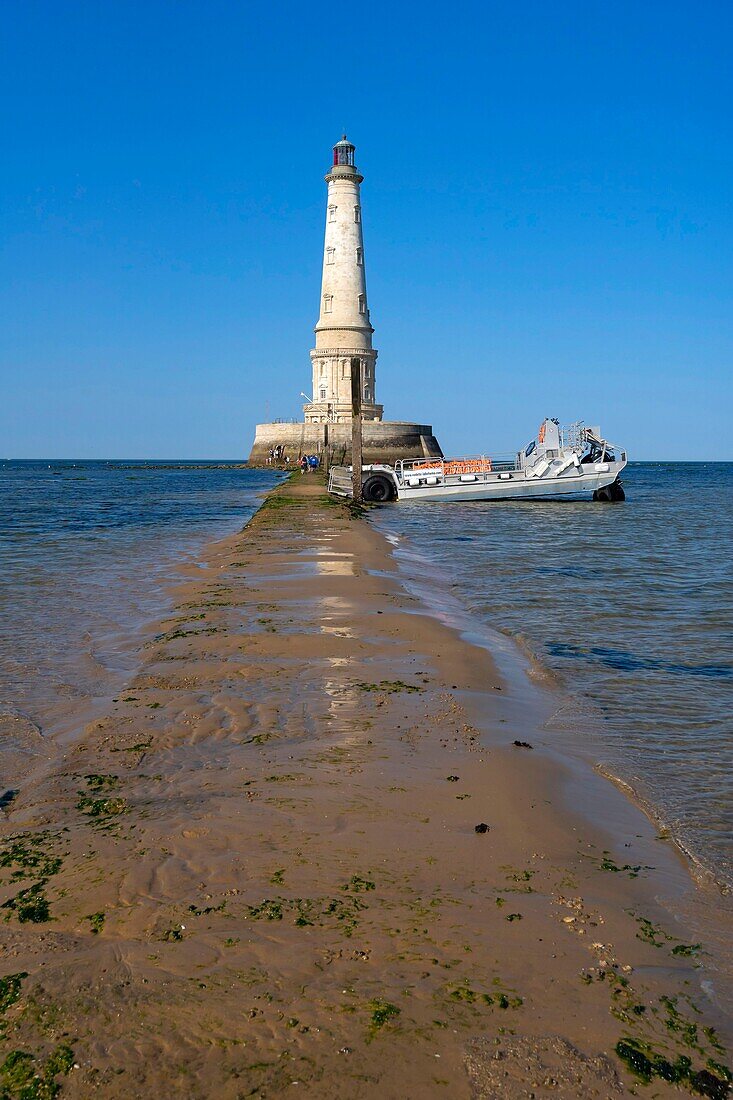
x,y
356,462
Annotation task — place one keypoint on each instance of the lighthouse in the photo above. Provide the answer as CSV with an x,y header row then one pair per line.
x,y
344,330
343,337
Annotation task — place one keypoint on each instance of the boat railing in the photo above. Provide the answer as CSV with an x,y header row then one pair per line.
x,y
573,436
340,481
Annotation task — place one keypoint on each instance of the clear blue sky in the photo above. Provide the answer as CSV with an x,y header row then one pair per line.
x,y
547,214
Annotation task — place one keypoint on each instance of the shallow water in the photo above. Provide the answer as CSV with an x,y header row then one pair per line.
x,y
86,552
631,606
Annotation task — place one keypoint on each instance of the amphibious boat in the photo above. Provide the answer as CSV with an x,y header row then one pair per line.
x,y
560,463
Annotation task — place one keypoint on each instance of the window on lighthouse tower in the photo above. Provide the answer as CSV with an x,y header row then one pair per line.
x,y
362,303
327,303
360,256
332,213
330,253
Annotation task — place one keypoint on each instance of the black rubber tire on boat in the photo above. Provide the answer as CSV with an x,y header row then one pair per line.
x,y
603,496
378,489
617,491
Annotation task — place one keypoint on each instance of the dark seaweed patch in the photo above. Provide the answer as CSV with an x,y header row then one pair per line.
x,y
23,1077
358,885
96,920
172,935
606,863
207,909
651,933
310,911
101,807
10,987
102,782
30,905
645,1063
266,910
27,856
381,1013
687,949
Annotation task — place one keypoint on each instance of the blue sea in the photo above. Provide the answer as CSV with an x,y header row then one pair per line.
x,y
87,550
630,609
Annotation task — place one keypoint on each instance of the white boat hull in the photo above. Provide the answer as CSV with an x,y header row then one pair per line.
x,y
567,486
560,463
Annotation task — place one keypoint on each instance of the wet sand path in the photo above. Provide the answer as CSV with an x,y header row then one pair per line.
x,y
260,872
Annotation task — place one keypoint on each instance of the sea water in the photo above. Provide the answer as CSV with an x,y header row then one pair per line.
x,y
631,608
87,551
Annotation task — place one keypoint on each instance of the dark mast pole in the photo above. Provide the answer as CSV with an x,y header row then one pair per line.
x,y
356,462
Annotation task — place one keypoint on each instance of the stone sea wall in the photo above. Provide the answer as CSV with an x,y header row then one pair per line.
x,y
383,441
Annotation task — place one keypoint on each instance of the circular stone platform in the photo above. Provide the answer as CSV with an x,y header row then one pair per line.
x,y
382,441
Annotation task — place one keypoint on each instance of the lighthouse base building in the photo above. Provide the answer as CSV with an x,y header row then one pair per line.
x,y
382,441
344,334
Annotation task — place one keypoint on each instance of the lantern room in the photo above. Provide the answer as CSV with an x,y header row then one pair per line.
x,y
343,153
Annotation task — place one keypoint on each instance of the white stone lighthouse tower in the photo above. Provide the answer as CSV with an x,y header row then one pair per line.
x,y
344,330
343,334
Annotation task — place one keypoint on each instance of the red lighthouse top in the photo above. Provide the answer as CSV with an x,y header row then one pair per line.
x,y
343,152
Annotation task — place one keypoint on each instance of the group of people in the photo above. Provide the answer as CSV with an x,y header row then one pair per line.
x,y
277,454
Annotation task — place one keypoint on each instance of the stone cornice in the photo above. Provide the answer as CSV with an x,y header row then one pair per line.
x,y
355,176
366,329
357,353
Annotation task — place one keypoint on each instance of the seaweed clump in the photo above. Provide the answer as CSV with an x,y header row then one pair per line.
x,y
381,1013
96,920
22,1076
30,905
10,987
27,856
101,807
646,1064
